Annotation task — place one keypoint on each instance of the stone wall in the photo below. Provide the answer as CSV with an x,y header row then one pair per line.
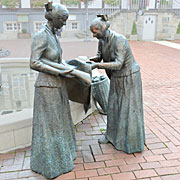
x,y
165,26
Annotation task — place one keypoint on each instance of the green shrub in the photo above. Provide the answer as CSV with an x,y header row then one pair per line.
x,y
178,29
70,2
10,3
38,3
24,31
111,2
134,29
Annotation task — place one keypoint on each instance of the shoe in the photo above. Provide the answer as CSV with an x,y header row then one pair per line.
x,y
103,140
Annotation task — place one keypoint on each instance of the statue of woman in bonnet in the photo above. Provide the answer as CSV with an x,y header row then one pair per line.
x,y
125,121
53,141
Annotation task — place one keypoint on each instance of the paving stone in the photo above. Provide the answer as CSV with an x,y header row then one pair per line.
x,y
8,162
26,174
171,177
86,173
135,160
11,168
87,156
96,149
8,175
150,165
106,171
116,162
104,157
94,165
78,160
131,167
161,151
169,163
166,171
101,178
67,176
78,167
145,173
125,176
19,157
154,158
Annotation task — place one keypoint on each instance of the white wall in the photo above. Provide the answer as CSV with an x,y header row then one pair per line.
x,y
56,1
176,4
151,4
124,4
93,4
25,4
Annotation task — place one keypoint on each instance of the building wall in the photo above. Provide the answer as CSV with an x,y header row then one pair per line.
x,y
165,27
35,18
25,4
76,24
123,22
125,4
7,18
167,24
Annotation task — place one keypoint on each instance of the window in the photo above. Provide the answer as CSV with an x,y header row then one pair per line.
x,y
165,19
12,26
74,25
71,25
38,24
19,87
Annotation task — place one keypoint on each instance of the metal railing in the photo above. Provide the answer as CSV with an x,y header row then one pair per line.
x,y
109,10
169,4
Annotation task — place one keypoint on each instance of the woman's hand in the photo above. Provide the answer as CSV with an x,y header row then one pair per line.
x,y
95,59
92,64
66,73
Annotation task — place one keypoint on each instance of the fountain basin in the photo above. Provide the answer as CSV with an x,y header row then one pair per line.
x,y
16,122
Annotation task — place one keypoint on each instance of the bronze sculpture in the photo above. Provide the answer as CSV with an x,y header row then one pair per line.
x,y
125,121
53,142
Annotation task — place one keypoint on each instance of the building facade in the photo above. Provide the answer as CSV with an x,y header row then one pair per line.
x,y
27,16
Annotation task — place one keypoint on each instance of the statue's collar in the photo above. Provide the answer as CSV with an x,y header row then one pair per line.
x,y
51,29
107,36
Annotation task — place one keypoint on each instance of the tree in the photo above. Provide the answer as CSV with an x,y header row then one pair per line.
x,y
38,3
111,2
10,3
74,2
134,29
178,29
70,2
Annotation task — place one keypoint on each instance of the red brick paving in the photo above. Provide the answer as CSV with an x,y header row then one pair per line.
x,y
160,67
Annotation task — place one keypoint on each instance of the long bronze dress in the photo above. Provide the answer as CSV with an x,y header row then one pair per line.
x,y
53,141
125,121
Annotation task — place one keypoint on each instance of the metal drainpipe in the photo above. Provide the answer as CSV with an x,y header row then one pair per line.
x,y
87,21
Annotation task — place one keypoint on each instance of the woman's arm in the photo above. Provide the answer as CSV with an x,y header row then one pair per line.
x,y
119,48
98,57
39,45
69,70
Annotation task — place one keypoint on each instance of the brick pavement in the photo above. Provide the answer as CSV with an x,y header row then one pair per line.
x,y
160,66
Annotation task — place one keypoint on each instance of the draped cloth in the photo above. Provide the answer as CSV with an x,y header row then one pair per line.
x,y
78,91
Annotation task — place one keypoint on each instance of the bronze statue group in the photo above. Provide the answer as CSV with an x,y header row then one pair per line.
x,y
53,139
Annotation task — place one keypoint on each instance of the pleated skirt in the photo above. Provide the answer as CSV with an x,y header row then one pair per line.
x,y
125,120
53,139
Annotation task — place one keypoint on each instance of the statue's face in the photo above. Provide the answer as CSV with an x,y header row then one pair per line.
x,y
59,20
97,33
